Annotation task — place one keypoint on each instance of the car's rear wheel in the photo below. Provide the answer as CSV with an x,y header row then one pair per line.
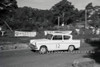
x,y
71,48
43,50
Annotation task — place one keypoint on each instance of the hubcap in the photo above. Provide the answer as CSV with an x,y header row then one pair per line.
x,y
43,50
71,48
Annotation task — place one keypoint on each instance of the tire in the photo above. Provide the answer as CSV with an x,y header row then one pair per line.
x,y
71,48
43,50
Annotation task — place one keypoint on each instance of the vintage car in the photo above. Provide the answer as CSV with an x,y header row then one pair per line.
x,y
57,41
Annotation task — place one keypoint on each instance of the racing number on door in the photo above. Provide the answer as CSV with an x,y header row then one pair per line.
x,y
57,45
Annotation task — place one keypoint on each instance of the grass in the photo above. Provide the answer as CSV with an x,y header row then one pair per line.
x,y
9,38
13,40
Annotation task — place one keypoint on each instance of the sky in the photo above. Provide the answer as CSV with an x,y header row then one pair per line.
x,y
47,4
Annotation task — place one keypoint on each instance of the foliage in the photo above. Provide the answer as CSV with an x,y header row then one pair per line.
x,y
89,6
65,10
7,6
7,9
93,14
95,19
28,19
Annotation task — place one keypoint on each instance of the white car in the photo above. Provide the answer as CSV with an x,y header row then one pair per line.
x,y
56,41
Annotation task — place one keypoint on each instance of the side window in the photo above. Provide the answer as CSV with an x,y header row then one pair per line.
x,y
57,37
66,37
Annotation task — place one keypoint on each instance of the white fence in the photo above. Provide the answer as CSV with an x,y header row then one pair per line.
x,y
23,33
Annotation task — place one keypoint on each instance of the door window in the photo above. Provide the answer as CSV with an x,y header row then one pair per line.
x,y
57,37
66,37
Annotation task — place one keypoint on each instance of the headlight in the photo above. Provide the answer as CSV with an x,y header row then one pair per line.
x,y
31,41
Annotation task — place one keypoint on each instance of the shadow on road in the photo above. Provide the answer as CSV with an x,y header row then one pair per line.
x,y
96,54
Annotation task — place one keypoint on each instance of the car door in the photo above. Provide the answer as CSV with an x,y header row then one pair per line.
x,y
65,42
57,40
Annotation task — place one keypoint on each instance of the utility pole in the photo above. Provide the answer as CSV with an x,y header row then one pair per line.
x,y
63,18
85,25
58,21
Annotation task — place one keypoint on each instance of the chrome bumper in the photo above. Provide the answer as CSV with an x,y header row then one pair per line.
x,y
33,47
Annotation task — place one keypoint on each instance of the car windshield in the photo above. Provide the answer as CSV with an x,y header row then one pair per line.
x,y
49,36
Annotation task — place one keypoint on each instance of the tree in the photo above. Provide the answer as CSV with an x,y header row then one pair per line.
x,y
95,19
89,9
65,10
7,8
93,15
89,6
27,18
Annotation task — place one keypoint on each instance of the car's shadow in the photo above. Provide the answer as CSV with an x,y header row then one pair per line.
x,y
96,51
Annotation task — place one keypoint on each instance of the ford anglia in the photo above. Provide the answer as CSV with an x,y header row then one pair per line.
x,y
54,42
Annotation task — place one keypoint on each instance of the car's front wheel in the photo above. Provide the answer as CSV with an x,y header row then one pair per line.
x,y
43,50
